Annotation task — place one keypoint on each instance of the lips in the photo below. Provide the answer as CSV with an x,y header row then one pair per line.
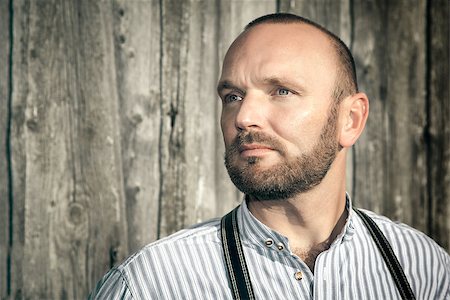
x,y
253,147
254,150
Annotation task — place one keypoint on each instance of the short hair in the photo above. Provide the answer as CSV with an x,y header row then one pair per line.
x,y
346,81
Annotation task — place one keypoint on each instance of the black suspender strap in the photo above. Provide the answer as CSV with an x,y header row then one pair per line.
x,y
241,285
388,255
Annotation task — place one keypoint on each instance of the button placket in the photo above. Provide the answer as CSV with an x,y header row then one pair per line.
x,y
268,242
280,246
298,275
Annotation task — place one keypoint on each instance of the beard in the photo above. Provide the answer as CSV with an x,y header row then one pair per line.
x,y
291,176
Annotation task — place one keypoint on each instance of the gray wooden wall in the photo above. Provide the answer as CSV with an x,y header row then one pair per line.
x,y
110,136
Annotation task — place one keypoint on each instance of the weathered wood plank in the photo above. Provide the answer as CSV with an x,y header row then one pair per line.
x,y
438,138
331,14
174,40
4,140
390,165
137,43
336,17
102,88
233,17
191,140
200,104
69,225
17,142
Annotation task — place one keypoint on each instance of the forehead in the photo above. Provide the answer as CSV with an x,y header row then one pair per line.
x,y
291,49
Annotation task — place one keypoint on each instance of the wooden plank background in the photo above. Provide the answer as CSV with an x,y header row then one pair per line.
x,y
5,237
110,136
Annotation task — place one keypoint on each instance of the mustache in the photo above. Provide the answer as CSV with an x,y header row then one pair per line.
x,y
250,137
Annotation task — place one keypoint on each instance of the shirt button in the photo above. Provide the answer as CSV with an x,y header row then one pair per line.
x,y
280,246
268,242
298,275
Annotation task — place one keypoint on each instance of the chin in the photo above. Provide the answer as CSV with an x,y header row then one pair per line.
x,y
261,161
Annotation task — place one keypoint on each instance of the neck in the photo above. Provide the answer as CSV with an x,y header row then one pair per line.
x,y
310,220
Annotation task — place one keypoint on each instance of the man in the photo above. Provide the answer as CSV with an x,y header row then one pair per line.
x,y
291,109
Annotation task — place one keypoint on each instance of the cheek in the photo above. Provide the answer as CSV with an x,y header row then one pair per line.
x,y
290,123
228,129
299,129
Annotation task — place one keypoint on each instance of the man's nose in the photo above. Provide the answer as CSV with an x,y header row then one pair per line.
x,y
251,112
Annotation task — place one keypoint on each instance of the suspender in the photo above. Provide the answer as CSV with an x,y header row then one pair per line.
x,y
237,267
241,285
388,255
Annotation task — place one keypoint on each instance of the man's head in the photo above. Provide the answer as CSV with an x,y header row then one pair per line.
x,y
346,81
283,84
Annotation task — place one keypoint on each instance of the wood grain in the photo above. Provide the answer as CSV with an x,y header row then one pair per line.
x,y
20,33
66,162
233,17
390,161
4,151
174,39
137,47
438,130
191,190
115,136
335,16
200,104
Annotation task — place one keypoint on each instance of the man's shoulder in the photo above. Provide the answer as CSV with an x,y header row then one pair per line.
x,y
390,225
402,236
200,234
162,263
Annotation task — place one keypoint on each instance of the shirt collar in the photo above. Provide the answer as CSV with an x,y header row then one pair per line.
x,y
255,232
349,229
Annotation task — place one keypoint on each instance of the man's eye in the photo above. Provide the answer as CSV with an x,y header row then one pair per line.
x,y
283,92
232,98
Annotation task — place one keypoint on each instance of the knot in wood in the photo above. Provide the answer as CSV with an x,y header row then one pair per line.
x,y
173,112
32,125
76,213
136,119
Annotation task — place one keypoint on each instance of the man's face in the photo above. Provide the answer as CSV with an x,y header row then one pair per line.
x,y
278,123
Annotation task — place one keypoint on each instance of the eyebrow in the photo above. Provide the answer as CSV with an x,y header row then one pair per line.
x,y
227,85
272,80
280,81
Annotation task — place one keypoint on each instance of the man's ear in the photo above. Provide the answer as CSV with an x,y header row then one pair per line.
x,y
354,113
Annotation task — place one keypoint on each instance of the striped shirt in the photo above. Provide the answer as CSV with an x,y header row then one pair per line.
x,y
190,265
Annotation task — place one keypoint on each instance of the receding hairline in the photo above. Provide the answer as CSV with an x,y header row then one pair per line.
x,y
346,81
